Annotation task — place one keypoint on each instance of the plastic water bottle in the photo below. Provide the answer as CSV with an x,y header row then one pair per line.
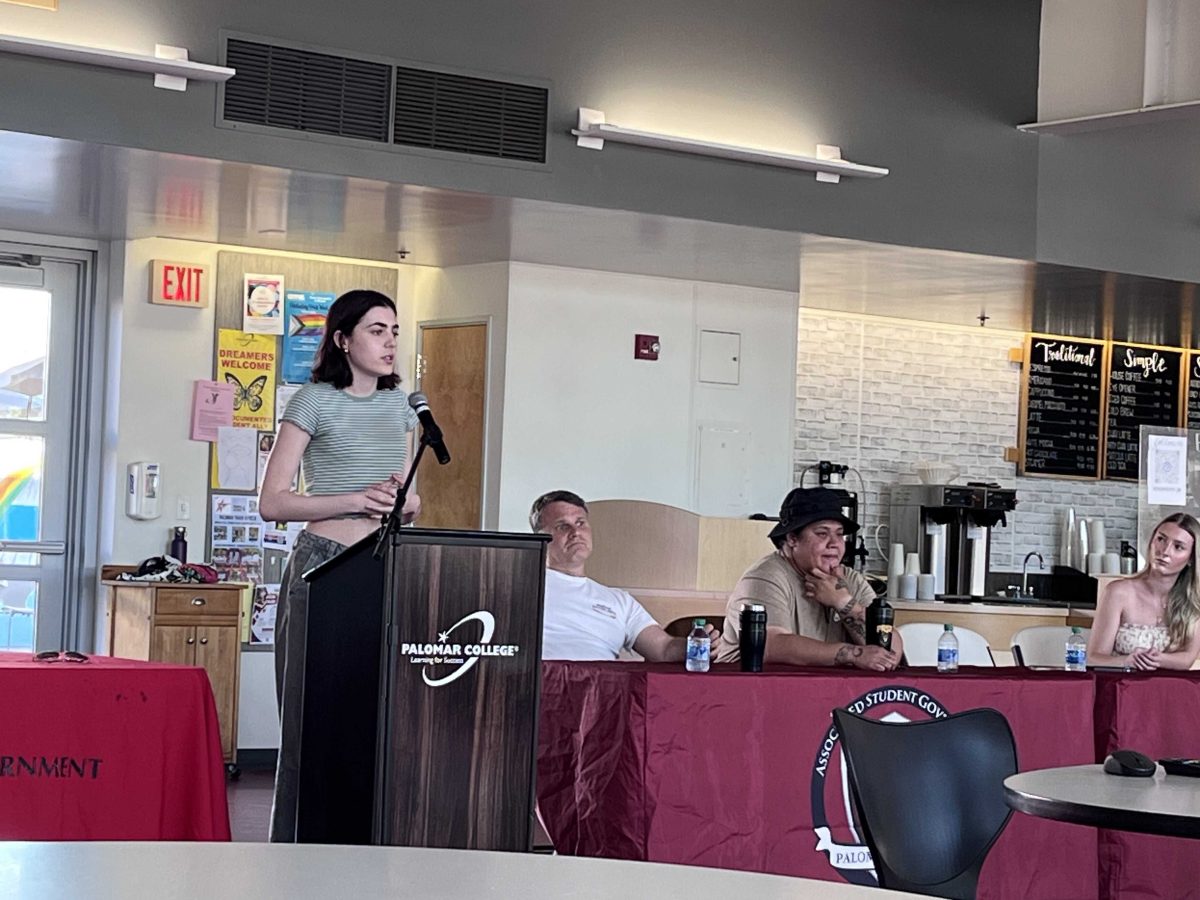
x,y
948,650
697,647
1076,651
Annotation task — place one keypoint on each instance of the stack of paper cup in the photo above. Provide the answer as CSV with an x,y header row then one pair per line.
x,y
1112,564
1095,563
1096,536
895,570
1079,544
1066,544
924,587
908,586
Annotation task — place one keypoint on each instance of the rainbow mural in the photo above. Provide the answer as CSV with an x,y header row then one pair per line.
x,y
12,486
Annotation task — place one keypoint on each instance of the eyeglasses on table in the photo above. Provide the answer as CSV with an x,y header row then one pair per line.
x,y
53,656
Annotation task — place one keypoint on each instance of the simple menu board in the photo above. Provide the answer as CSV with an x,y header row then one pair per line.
x,y
1193,391
1064,404
1144,388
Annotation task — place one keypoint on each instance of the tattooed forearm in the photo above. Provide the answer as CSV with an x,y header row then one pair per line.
x,y
848,607
855,629
846,655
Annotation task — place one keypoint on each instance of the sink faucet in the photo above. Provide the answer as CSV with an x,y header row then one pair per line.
x,y
1025,570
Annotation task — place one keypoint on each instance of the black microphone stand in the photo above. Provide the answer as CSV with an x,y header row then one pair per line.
x,y
393,520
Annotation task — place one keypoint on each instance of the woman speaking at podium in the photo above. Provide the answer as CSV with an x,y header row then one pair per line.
x,y
349,433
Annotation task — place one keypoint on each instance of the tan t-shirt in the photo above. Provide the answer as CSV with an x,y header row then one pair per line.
x,y
776,585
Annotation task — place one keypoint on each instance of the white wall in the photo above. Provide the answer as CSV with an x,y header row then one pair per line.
x,y
474,293
161,351
581,413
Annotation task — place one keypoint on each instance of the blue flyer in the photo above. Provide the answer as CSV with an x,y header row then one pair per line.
x,y
305,313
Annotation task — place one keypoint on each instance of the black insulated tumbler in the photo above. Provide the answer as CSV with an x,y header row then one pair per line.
x,y
752,639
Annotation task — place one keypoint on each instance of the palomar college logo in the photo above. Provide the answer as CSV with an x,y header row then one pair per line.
x,y
462,656
834,821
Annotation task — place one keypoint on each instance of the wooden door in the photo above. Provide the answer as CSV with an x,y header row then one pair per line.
x,y
454,378
216,652
174,644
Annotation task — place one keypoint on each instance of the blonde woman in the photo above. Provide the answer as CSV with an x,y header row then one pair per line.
x,y
1149,621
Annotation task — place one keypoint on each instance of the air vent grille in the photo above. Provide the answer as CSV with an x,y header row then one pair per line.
x,y
300,90
462,114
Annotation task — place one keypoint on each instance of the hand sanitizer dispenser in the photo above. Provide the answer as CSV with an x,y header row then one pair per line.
x,y
142,490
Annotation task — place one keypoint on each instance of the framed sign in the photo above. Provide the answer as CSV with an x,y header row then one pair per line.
x,y
1062,405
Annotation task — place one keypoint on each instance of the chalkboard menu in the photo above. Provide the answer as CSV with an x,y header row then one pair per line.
x,y
1143,389
1193,391
1063,409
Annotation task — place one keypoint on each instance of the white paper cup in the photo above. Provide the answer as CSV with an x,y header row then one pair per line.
x,y
912,564
924,587
1095,563
908,587
1112,564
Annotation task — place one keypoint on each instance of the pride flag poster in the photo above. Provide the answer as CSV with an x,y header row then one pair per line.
x,y
304,314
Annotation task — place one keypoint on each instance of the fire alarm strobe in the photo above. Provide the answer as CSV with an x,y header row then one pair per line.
x,y
646,346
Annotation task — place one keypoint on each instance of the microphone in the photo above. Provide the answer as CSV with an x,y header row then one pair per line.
x,y
432,434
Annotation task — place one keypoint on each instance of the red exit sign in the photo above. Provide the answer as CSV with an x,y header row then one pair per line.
x,y
179,283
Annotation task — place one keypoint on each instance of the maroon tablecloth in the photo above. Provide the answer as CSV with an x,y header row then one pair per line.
x,y
1158,714
740,771
109,749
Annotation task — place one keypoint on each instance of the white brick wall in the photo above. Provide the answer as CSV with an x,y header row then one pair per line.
x,y
882,395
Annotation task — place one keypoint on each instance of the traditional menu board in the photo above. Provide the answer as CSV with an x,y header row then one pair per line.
x,y
1193,391
1144,388
1063,409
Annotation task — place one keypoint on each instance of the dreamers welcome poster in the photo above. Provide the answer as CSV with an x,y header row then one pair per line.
x,y
247,362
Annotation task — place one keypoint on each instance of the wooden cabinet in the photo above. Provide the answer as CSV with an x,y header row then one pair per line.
x,y
190,624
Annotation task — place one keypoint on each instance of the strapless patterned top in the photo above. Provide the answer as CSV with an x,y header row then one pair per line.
x,y
1140,637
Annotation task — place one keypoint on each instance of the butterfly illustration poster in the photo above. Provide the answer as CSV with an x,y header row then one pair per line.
x,y
262,304
247,363
305,312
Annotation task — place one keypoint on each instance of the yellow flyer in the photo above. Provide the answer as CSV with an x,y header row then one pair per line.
x,y
247,362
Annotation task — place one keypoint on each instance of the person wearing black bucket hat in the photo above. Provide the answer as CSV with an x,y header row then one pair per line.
x,y
815,606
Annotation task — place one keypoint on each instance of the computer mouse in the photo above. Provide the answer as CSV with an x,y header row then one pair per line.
x,y
1130,762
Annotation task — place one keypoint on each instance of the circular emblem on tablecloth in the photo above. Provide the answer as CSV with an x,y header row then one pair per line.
x,y
839,835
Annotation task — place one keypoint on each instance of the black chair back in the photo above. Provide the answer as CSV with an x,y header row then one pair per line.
x,y
930,795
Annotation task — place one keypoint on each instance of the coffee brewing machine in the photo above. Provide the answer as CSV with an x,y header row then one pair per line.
x,y
833,476
950,527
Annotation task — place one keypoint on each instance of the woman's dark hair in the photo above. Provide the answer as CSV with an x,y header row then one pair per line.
x,y
330,364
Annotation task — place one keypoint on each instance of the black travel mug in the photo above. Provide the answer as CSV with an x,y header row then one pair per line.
x,y
752,639
880,633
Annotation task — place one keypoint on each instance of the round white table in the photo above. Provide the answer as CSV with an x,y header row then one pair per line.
x,y
177,871
1087,795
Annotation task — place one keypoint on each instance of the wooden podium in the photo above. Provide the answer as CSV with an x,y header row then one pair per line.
x,y
422,675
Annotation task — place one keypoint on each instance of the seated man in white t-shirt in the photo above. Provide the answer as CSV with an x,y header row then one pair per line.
x,y
584,620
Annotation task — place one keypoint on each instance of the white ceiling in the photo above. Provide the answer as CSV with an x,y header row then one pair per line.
x,y
58,187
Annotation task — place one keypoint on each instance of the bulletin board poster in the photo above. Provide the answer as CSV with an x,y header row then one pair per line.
x,y
247,362
305,315
262,304
262,614
237,537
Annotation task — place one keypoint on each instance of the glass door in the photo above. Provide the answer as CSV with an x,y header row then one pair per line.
x,y
39,312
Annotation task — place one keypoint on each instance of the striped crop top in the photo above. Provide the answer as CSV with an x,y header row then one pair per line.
x,y
356,441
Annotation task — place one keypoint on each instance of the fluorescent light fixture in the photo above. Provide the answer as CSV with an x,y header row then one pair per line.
x,y
593,131
170,66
